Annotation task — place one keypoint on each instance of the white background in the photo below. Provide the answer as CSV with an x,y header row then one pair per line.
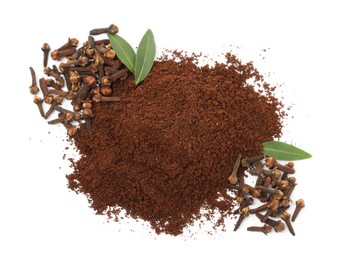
x,y
41,219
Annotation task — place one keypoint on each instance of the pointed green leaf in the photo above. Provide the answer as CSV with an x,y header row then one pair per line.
x,y
145,56
124,51
283,151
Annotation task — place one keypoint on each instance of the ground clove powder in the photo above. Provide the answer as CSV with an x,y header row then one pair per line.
x,y
166,150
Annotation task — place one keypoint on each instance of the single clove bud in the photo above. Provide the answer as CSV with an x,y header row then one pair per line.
x,y
43,87
33,88
38,101
299,205
99,98
260,208
71,42
45,48
278,225
57,55
265,229
271,163
233,178
112,29
71,129
243,214
286,217
249,161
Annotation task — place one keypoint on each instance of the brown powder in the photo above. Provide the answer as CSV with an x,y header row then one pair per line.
x,y
166,150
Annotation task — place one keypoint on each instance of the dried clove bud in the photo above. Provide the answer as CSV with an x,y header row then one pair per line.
x,y
49,99
38,101
271,163
286,217
100,98
278,225
112,29
33,88
265,229
299,205
72,131
45,48
243,214
57,55
233,178
71,42
249,161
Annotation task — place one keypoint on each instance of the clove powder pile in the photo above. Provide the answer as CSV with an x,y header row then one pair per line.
x,y
165,151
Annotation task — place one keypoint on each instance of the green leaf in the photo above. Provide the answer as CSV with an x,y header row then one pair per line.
x,y
283,151
123,50
145,56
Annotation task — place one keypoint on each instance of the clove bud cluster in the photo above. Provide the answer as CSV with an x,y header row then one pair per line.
x,y
273,188
84,76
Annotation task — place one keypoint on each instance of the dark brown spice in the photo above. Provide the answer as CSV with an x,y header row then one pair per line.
x,y
265,229
45,48
33,88
299,205
38,101
112,29
165,150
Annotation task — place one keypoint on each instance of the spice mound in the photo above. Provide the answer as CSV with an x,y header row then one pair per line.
x,y
164,152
